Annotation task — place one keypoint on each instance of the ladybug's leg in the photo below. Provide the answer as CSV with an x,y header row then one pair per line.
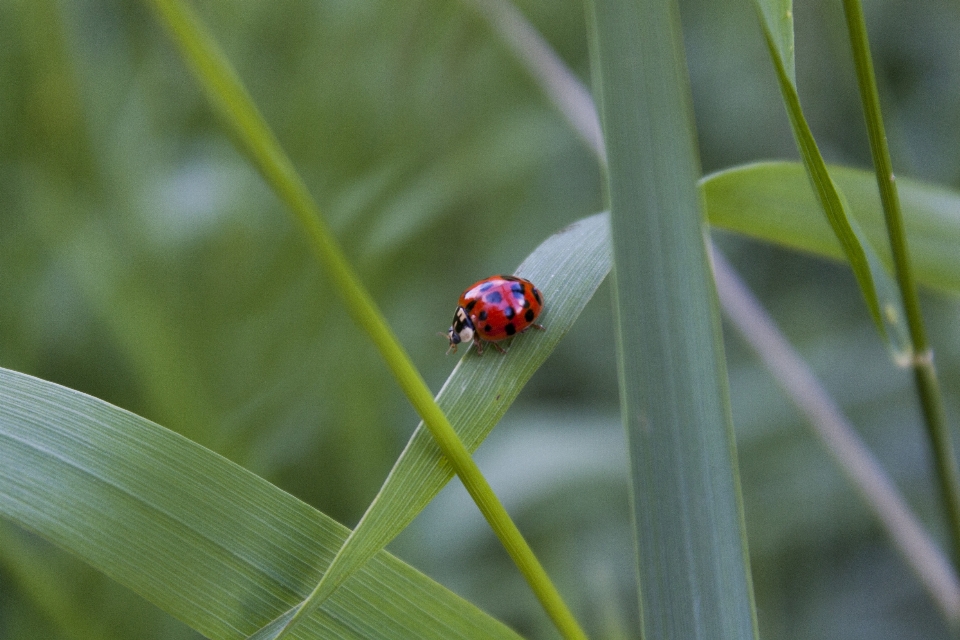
x,y
498,347
478,344
534,326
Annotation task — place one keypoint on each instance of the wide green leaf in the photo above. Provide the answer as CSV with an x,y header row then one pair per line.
x,y
692,565
773,201
210,543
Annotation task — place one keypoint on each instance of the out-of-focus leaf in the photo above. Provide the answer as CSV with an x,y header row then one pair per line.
x,y
773,201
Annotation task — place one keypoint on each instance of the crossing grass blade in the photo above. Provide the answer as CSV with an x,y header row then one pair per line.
x,y
878,287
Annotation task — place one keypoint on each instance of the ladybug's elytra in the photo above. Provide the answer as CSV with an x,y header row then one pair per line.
x,y
495,309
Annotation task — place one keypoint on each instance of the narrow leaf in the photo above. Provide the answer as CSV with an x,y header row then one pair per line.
x,y
777,18
878,287
567,268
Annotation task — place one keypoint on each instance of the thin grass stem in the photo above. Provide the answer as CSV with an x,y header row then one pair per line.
x,y
921,360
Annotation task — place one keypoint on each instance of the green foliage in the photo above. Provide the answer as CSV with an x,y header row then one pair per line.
x,y
144,262
876,283
205,540
771,201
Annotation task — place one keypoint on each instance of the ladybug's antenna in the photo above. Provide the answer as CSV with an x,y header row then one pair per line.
x,y
453,345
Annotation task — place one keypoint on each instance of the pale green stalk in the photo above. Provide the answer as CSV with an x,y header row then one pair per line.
x,y
227,93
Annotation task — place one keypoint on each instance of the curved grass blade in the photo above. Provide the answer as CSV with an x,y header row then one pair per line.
x,y
205,540
772,201
878,287
567,268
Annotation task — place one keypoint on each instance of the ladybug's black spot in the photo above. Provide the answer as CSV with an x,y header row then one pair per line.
x,y
487,328
510,329
526,304
536,294
529,315
509,312
493,298
471,305
482,316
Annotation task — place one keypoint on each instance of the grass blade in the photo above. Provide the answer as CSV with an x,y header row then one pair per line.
x,y
205,540
924,372
693,568
879,290
227,93
567,268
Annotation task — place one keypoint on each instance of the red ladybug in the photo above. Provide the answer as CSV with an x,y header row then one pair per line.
x,y
495,309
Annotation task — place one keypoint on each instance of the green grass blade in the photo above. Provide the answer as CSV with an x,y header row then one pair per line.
x,y
567,268
205,540
925,373
777,18
773,201
693,568
228,95
878,287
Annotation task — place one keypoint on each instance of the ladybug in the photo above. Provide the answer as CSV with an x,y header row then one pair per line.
x,y
493,310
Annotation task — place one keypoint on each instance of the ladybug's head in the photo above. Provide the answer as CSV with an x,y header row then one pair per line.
x,y
461,330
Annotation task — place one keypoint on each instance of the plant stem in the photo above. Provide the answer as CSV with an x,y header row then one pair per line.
x,y
225,90
925,374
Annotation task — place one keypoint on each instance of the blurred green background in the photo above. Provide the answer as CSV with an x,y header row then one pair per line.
x,y
144,262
